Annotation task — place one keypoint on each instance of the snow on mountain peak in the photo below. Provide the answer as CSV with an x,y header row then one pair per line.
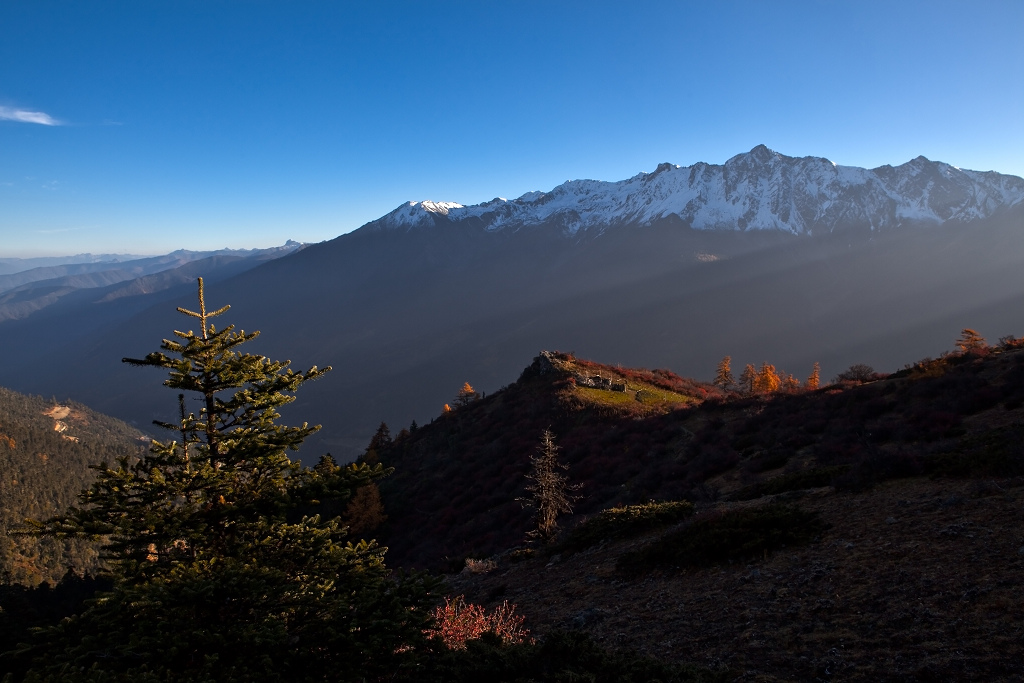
x,y
759,190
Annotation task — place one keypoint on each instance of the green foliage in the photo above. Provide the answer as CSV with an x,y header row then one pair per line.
x,y
23,609
730,536
219,571
562,657
620,522
793,481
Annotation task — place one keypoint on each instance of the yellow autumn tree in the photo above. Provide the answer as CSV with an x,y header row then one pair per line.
x,y
467,394
970,341
814,380
791,384
748,379
723,377
365,511
767,379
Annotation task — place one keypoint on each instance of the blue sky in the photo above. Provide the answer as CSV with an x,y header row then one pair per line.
x,y
144,127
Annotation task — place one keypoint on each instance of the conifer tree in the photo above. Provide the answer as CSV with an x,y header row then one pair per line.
x,y
365,511
970,340
216,574
379,444
767,380
467,394
381,440
791,384
814,380
550,492
748,379
723,376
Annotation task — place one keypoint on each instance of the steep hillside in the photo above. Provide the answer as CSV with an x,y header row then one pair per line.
x,y
457,479
46,449
912,580
663,437
866,530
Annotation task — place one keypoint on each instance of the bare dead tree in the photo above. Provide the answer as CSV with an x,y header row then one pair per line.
x,y
550,490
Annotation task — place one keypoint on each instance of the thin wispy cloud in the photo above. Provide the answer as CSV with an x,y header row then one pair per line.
x,y
25,116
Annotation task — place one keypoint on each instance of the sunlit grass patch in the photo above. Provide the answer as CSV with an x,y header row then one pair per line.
x,y
646,395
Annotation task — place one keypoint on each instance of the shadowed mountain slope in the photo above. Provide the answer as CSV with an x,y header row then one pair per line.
x,y
653,435
863,531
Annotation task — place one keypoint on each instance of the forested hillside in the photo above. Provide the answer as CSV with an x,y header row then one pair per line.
x,y
46,448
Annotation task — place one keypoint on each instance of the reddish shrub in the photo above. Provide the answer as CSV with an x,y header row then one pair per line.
x,y
458,621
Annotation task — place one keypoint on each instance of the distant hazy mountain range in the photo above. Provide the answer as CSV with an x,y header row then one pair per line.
x,y
30,290
17,265
765,258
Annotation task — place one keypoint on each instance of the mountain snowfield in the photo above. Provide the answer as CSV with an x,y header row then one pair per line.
x,y
759,190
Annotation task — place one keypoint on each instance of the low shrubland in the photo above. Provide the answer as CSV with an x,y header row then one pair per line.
x,y
792,481
721,537
619,522
561,657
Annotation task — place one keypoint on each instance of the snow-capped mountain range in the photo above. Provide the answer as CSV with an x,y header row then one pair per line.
x,y
759,190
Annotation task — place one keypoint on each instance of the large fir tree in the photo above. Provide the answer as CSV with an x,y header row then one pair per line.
x,y
221,571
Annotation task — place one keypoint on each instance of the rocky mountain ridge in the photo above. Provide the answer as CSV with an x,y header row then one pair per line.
x,y
758,190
